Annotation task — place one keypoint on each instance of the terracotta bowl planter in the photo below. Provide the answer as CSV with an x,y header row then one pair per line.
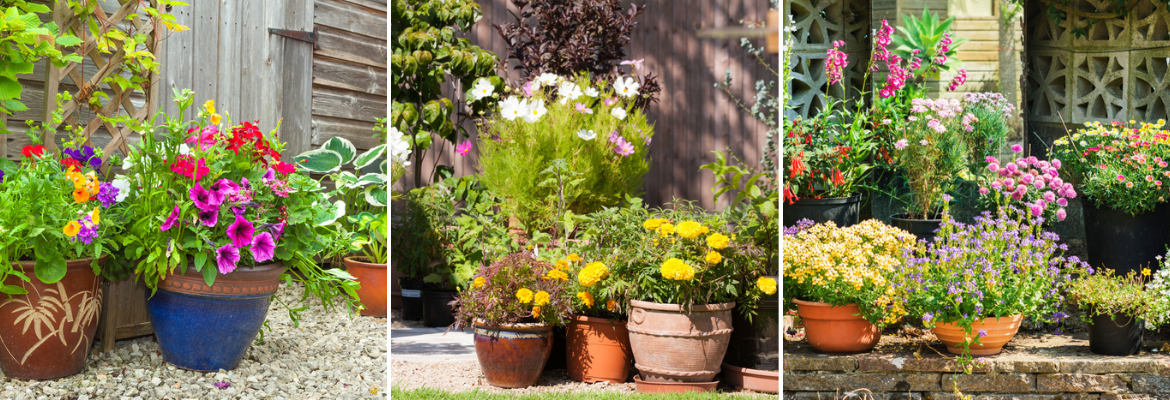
x,y
752,379
598,349
837,330
670,345
512,355
372,293
47,333
999,332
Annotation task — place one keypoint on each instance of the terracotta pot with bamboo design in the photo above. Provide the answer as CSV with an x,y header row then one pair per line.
x,y
372,277
47,333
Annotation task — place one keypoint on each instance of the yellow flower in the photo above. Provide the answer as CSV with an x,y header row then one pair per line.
x,y
557,274
479,282
1145,272
536,312
72,228
574,257
524,295
713,257
209,106
665,230
677,270
95,216
717,241
562,264
766,285
541,298
653,223
80,195
611,305
691,229
215,119
586,298
593,273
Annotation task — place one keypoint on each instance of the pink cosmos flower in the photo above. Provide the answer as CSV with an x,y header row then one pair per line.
x,y
226,258
624,148
582,109
464,148
263,247
530,88
610,101
240,232
636,63
174,217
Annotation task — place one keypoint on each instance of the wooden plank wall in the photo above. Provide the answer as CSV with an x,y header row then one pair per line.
x,y
692,117
349,70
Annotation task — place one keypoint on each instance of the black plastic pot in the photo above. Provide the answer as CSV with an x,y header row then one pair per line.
x,y
1124,242
844,211
756,344
557,359
1115,335
437,309
412,304
922,228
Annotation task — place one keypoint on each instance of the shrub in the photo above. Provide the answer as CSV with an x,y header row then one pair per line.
x,y
512,290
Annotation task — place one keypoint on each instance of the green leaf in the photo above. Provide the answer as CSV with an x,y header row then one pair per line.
x,y
343,147
9,88
68,40
50,268
369,156
376,196
209,275
12,289
433,114
319,160
200,260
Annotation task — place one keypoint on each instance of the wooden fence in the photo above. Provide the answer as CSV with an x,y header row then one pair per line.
x,y
692,118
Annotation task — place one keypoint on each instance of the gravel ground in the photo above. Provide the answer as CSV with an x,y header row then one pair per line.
x,y
330,356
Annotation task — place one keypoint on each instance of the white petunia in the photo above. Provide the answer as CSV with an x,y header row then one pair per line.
x,y
482,89
591,92
184,149
534,111
618,112
587,135
512,107
569,91
626,87
399,148
547,79
123,184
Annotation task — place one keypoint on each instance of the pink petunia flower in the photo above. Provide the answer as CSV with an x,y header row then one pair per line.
x,y
240,232
263,247
174,217
226,258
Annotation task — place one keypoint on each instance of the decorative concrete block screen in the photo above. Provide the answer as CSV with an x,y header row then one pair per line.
x,y
818,24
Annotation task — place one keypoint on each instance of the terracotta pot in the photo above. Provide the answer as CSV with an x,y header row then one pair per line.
x,y
831,329
372,293
673,387
670,345
208,328
999,332
512,355
752,379
47,333
598,350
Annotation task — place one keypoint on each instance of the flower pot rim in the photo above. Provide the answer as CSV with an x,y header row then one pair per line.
x,y
519,325
903,217
821,303
353,262
984,320
828,200
586,318
72,263
649,305
752,372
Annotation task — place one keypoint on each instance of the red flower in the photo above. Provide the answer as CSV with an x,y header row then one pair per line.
x,y
186,166
838,180
29,151
69,162
797,166
285,168
789,196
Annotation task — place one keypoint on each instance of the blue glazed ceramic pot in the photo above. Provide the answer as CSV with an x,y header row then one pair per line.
x,y
208,328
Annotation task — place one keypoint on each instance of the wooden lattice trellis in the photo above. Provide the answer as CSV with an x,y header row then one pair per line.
x,y
119,101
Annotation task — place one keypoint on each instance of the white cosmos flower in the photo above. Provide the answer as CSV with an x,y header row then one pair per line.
x,y
399,148
626,87
534,111
512,107
123,184
547,79
591,92
482,89
618,112
587,135
569,91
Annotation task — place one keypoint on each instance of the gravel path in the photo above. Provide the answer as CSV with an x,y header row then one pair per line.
x,y
330,356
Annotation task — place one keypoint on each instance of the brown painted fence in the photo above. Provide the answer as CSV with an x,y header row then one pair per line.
x,y
692,117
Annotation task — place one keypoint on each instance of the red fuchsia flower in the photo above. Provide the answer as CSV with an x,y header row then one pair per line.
x,y
285,168
206,137
263,247
29,151
174,217
789,196
209,217
838,180
836,62
226,258
240,232
464,148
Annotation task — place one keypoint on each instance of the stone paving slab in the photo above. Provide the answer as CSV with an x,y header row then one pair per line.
x,y
431,345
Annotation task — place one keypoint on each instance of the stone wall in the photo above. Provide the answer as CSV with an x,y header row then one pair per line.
x,y
1024,378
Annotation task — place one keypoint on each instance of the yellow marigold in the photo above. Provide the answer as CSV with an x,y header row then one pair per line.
x,y
611,305
713,257
536,312
593,273
479,282
557,274
690,229
653,223
717,241
766,285
574,257
524,295
677,270
72,228
665,230
541,298
586,298
562,264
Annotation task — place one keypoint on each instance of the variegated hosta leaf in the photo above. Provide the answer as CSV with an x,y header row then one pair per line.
x,y
338,211
345,180
376,179
376,195
369,157
343,147
319,160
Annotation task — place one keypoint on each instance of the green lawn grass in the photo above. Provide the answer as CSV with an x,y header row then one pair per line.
x,y
429,393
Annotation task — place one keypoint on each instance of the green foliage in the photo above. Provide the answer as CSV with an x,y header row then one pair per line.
x,y
360,199
513,290
26,40
925,34
419,236
425,53
1103,293
1119,166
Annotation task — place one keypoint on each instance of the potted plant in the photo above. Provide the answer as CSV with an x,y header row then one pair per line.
x,y
974,285
220,220
54,240
1120,169
844,281
513,308
399,149
362,199
1026,183
1117,309
418,242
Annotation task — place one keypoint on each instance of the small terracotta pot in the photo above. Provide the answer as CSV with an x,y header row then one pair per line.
x,y
512,355
999,332
673,387
671,345
47,333
372,277
752,379
598,349
836,329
